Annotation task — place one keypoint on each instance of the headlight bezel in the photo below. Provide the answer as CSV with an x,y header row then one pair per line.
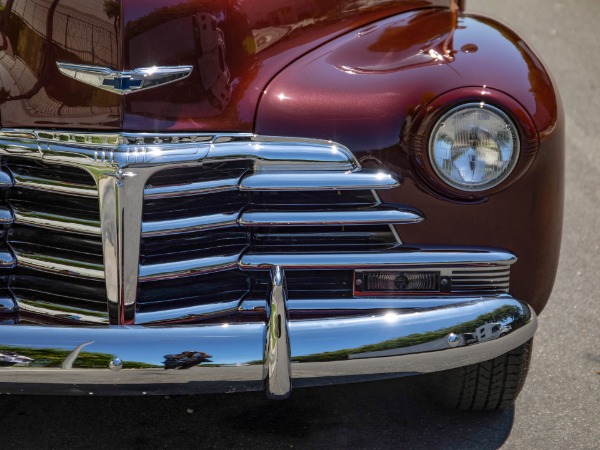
x,y
515,150
419,127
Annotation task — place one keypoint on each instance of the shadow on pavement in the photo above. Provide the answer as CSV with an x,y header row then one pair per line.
x,y
387,414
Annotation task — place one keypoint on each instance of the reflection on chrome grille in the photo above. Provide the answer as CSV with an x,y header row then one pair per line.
x,y
55,237
198,221
471,280
132,228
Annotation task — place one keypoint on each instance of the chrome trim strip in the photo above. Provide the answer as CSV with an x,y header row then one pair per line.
x,y
373,216
42,184
375,260
491,283
6,180
186,314
392,227
56,222
318,181
354,305
178,269
126,81
230,357
62,312
59,265
6,216
8,305
483,275
7,260
277,369
357,261
200,187
125,150
284,154
189,224
255,218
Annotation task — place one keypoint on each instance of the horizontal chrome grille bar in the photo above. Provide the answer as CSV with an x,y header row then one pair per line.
x,y
491,277
254,218
186,268
456,288
188,224
62,312
56,222
187,314
373,260
360,304
60,265
7,260
282,153
374,216
201,187
42,184
318,181
6,216
341,260
173,149
5,180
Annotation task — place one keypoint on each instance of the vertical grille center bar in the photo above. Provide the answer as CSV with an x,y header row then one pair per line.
x,y
121,195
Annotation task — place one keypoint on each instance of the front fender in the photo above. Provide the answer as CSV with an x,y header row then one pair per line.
x,y
370,89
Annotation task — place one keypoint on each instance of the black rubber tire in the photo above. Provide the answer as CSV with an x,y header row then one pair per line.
x,y
487,386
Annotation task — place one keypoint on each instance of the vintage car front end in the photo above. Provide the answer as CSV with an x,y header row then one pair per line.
x,y
217,198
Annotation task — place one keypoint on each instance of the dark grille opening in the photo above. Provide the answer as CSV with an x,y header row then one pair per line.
x,y
56,204
222,241
194,205
329,199
56,291
322,239
61,244
307,284
205,172
55,172
192,291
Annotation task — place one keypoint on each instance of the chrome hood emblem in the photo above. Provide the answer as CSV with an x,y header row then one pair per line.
x,y
124,82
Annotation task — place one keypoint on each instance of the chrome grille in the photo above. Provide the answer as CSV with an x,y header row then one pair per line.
x,y
55,238
198,221
191,225
473,279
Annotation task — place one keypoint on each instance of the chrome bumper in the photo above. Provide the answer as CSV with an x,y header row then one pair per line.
x,y
253,356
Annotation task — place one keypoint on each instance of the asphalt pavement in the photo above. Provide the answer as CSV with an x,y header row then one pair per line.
x,y
559,406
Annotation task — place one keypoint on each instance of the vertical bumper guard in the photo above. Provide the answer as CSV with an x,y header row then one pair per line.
x,y
277,369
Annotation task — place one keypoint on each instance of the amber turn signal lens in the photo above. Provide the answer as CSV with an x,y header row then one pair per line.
x,y
392,281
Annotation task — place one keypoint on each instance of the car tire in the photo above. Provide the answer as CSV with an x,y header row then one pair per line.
x,y
486,386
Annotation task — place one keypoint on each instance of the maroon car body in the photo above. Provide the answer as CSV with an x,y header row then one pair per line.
x,y
374,78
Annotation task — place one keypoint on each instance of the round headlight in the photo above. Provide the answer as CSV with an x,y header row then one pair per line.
x,y
474,147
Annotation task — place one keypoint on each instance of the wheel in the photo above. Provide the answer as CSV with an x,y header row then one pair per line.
x,y
486,386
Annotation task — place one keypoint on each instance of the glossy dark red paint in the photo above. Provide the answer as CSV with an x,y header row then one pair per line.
x,y
33,93
370,90
260,39
257,40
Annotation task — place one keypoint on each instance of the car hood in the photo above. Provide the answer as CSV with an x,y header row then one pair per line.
x,y
235,48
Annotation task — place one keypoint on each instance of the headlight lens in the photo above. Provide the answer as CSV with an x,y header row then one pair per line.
x,y
474,147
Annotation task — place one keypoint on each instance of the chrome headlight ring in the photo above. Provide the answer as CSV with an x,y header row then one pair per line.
x,y
474,147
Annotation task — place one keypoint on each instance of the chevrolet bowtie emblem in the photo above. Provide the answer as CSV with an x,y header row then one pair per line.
x,y
124,82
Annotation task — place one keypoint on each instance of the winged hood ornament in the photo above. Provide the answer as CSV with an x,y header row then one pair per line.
x,y
124,82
